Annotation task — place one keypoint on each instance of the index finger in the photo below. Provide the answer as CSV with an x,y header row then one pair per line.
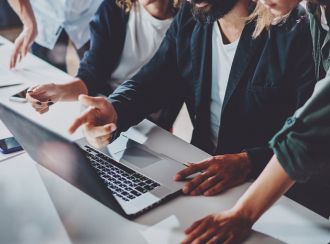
x,y
192,169
13,59
31,99
86,117
16,53
99,131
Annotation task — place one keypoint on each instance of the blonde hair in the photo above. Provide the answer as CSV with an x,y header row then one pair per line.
x,y
128,4
264,19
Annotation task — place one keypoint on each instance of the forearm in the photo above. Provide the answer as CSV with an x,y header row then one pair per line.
x,y
272,183
71,90
24,10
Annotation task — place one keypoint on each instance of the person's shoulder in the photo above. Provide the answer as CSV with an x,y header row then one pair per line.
x,y
184,18
297,21
111,7
109,13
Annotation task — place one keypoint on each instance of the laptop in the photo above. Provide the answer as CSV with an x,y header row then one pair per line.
x,y
128,178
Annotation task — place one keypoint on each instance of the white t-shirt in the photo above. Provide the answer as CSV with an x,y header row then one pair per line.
x,y
71,15
222,59
324,22
143,37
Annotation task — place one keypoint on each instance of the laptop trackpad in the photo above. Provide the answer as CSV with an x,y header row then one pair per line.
x,y
137,157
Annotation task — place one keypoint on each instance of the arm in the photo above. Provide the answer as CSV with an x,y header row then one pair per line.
x,y
107,30
24,41
258,198
302,144
152,87
234,225
42,96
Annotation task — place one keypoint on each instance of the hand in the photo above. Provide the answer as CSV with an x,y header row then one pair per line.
x,y
227,227
215,174
99,120
42,96
23,43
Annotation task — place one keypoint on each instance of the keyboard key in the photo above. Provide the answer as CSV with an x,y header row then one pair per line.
x,y
136,193
131,196
122,181
148,182
140,189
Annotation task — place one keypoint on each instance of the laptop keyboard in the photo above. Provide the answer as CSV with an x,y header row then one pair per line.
x,y
121,180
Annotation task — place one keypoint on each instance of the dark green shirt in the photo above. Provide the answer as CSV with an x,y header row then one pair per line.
x,y
302,146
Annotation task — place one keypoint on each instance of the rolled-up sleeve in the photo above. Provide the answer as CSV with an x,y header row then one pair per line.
x,y
302,146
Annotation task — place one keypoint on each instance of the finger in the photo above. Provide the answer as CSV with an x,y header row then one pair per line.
x,y
206,236
199,230
194,225
96,140
100,131
39,108
99,142
44,110
20,56
86,117
192,169
195,182
31,88
37,90
230,239
25,47
96,102
216,189
207,184
40,98
218,238
14,55
39,105
35,102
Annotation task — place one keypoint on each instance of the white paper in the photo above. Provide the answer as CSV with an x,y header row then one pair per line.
x,y
165,232
9,78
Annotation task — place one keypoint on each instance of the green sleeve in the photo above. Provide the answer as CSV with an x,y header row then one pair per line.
x,y
302,146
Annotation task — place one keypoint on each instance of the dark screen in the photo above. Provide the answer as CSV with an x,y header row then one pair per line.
x,y
9,143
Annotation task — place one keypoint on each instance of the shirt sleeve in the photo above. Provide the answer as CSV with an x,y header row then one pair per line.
x,y
153,87
302,145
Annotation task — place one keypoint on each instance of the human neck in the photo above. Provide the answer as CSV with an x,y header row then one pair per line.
x,y
232,24
158,9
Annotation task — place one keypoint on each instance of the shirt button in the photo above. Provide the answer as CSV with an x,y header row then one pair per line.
x,y
290,121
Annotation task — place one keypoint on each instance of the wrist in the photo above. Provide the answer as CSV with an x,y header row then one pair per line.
x,y
115,114
245,212
61,91
246,163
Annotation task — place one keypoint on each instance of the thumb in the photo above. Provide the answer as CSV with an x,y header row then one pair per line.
x,y
96,102
112,127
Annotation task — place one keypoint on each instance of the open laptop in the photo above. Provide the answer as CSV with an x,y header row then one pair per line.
x,y
139,180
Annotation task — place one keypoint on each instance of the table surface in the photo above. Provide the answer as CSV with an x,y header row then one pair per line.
x,y
36,206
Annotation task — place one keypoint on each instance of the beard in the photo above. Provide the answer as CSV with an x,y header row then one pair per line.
x,y
213,11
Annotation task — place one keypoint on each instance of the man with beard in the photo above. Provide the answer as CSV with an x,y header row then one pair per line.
x,y
301,147
238,90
